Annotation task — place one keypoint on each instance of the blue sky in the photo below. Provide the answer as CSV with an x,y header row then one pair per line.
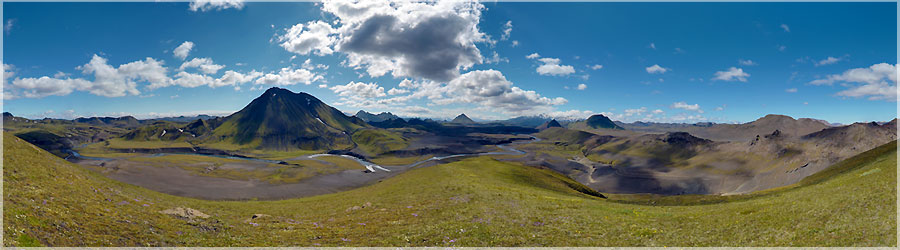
x,y
665,62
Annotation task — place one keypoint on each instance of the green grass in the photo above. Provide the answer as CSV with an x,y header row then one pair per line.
x,y
474,202
119,143
272,173
379,141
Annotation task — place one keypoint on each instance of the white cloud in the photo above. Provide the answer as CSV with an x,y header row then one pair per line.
x,y
9,25
685,106
359,90
46,86
315,36
234,78
878,82
288,76
876,73
8,72
496,59
747,62
191,80
781,48
658,111
879,91
515,43
205,65
656,69
431,40
183,50
635,112
791,90
785,28
551,66
207,5
533,56
396,91
507,29
596,67
573,114
732,74
582,86
652,46
489,89
827,61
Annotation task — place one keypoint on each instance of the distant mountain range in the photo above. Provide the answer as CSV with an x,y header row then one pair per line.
x,y
369,117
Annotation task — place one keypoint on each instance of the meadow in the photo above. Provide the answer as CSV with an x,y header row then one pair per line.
x,y
473,202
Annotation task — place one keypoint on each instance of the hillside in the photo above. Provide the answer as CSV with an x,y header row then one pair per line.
x,y
475,202
735,132
283,120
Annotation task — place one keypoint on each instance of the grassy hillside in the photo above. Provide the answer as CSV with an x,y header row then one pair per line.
x,y
379,141
475,202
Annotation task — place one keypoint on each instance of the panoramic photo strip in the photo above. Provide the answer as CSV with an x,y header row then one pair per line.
x,y
458,123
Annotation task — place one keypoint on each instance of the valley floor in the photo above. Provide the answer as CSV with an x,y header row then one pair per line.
x,y
474,202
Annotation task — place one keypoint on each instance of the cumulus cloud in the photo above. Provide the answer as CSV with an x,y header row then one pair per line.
x,y
551,66
315,36
359,90
732,74
205,65
652,46
582,86
234,78
46,86
183,50
431,40
785,27
877,82
596,66
791,90
507,29
108,81
207,5
490,89
873,74
289,76
515,43
656,69
685,106
533,56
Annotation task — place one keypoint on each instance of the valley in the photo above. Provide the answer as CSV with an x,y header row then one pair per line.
x,y
334,178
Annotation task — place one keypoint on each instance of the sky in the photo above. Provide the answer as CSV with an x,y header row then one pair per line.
x,y
657,62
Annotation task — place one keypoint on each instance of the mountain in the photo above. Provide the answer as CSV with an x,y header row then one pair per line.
x,y
283,120
369,117
462,119
550,124
526,121
762,126
601,121
185,118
